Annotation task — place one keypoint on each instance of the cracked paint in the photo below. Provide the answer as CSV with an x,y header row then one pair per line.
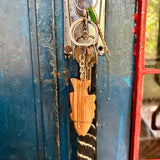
x,y
2,73
58,75
128,81
25,29
120,133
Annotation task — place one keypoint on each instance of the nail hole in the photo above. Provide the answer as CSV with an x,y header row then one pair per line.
x,y
100,48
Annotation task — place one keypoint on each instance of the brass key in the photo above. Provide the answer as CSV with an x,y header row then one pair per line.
x,y
86,54
94,56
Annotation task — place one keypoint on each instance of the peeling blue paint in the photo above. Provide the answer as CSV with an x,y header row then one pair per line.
x,y
25,30
128,81
25,8
122,62
120,133
17,81
19,58
2,73
15,110
38,100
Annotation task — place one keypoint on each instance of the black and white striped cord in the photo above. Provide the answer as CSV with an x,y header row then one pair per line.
x,y
87,145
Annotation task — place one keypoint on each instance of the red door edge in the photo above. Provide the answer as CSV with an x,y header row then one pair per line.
x,y
140,70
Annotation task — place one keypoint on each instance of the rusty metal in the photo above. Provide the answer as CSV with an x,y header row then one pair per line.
x,y
68,49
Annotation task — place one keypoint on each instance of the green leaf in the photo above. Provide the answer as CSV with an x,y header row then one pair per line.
x,y
92,15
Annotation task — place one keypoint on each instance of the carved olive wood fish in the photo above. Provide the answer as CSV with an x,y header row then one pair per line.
x,y
83,106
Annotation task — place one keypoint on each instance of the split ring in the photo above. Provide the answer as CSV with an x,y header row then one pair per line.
x,y
75,24
81,9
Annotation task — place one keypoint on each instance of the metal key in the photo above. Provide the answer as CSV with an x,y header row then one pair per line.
x,y
85,51
94,57
89,58
91,55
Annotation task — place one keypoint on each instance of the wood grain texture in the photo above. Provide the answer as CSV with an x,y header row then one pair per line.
x,y
115,82
62,81
17,122
47,60
83,106
28,96
28,77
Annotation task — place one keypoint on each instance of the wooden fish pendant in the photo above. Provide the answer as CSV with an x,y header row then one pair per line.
x,y
83,106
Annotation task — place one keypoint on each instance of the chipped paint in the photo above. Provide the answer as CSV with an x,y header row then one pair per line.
x,y
53,62
66,80
25,29
120,133
38,100
37,68
47,81
25,8
128,81
58,75
19,58
64,72
2,73
17,81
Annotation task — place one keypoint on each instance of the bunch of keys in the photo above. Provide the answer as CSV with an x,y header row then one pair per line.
x,y
86,54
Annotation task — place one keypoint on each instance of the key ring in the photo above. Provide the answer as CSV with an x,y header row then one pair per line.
x,y
83,11
75,24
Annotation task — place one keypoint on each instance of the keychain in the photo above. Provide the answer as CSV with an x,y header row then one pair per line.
x,y
86,54
83,104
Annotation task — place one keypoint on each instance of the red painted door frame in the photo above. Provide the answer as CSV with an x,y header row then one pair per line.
x,y
140,71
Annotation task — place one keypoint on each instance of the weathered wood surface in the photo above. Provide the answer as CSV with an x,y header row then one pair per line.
x,y
28,82
115,83
28,96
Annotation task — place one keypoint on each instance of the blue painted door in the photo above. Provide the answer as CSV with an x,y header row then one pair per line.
x,y
34,83
114,85
28,96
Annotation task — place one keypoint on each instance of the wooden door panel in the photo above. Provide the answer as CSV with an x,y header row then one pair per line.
x,y
34,82
17,136
115,83
28,96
